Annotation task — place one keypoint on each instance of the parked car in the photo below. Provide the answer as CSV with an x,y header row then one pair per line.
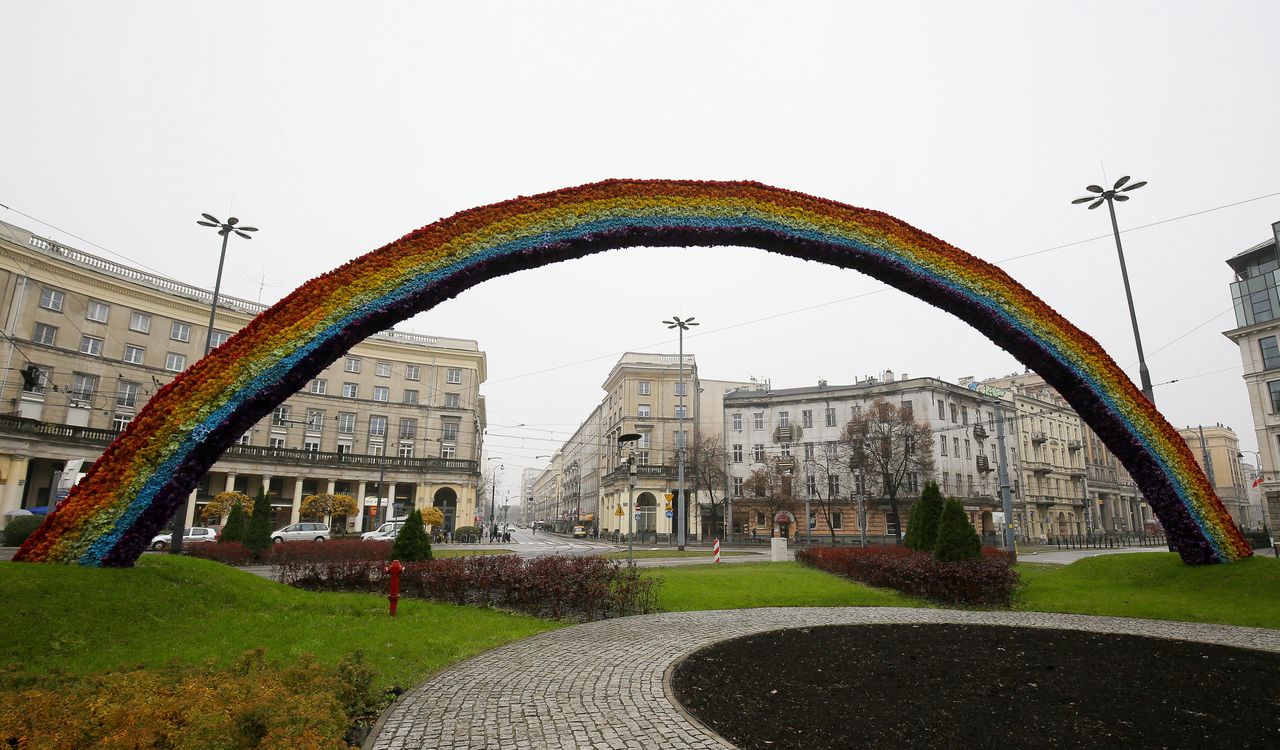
x,y
192,535
579,532
301,532
387,530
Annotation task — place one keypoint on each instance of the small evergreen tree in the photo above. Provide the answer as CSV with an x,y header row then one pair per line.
x,y
412,543
922,523
257,534
957,540
234,530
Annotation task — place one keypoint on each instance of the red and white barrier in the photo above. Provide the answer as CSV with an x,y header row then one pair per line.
x,y
716,551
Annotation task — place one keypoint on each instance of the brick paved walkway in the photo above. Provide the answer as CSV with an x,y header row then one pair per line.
x,y
601,685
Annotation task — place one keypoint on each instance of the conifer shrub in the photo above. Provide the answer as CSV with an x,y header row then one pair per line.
x,y
957,541
19,528
234,530
257,534
412,543
922,523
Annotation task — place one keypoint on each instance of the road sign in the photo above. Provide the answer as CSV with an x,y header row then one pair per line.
x,y
618,511
669,514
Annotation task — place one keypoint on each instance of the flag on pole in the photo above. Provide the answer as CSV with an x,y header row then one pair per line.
x,y
1257,481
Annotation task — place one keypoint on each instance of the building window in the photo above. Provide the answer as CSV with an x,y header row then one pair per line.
x,y
452,400
449,430
52,299
448,451
942,414
758,420
180,332
454,376
91,345
642,411
411,397
786,450
808,451
83,386
217,339
377,426
344,449
381,393
784,419
346,422
759,518
646,388
955,414
737,453
966,449
140,322
281,416
955,444
319,386
350,390
1273,386
831,416
408,428
352,365
806,418
737,422
134,355
833,485
942,446
680,411
44,334
127,394
375,449
276,441
681,389
412,372
121,421
757,453
679,438
311,445
315,420
837,520
174,362
97,311
382,369
964,414
811,485
907,412
737,486
404,450
1270,352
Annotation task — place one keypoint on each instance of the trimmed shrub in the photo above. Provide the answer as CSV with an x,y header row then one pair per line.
x,y
19,528
412,543
252,703
227,553
556,586
989,580
922,522
957,540
462,532
234,530
257,534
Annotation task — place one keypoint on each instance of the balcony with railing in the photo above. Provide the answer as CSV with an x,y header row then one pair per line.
x,y
649,472
1038,437
1038,467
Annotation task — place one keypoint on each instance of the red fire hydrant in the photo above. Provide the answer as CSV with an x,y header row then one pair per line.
x,y
394,569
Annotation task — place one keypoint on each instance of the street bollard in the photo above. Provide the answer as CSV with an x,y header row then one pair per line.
x,y
716,551
394,569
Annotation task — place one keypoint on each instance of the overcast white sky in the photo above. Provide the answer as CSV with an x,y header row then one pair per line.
x,y
336,128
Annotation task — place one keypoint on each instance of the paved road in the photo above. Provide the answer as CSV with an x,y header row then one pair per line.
x,y
603,684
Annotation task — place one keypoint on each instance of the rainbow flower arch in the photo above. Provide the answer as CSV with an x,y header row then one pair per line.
x,y
142,477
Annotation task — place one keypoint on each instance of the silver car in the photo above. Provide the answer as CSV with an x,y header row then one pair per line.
x,y
387,530
301,532
192,535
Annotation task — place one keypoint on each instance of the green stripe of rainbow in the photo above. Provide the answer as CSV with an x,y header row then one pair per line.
x,y
143,476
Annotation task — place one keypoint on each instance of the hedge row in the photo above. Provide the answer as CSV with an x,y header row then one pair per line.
x,y
987,581
556,586
234,553
253,703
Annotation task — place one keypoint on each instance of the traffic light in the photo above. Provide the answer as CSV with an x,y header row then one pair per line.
x,y
669,497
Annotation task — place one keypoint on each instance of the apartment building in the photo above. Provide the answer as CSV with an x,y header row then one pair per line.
x,y
1255,293
396,423
1217,450
798,431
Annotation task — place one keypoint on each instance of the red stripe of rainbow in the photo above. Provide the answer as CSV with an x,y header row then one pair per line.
x,y
143,476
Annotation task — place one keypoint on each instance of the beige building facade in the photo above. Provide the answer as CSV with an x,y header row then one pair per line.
x,y
397,423
1217,450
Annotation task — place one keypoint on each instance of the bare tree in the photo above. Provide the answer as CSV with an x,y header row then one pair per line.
x,y
708,461
825,477
893,452
771,489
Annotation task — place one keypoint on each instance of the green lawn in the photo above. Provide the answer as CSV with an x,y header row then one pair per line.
x,y
88,619
1156,585
746,585
642,554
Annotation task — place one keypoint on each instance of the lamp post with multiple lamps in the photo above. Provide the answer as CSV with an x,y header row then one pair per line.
x,y
493,494
1117,193
627,442
681,440
226,229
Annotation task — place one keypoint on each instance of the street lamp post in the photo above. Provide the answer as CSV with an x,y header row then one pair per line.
x,y
627,441
225,228
682,326
493,494
1117,193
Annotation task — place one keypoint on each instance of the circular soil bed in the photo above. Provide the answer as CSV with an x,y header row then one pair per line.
x,y
955,686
